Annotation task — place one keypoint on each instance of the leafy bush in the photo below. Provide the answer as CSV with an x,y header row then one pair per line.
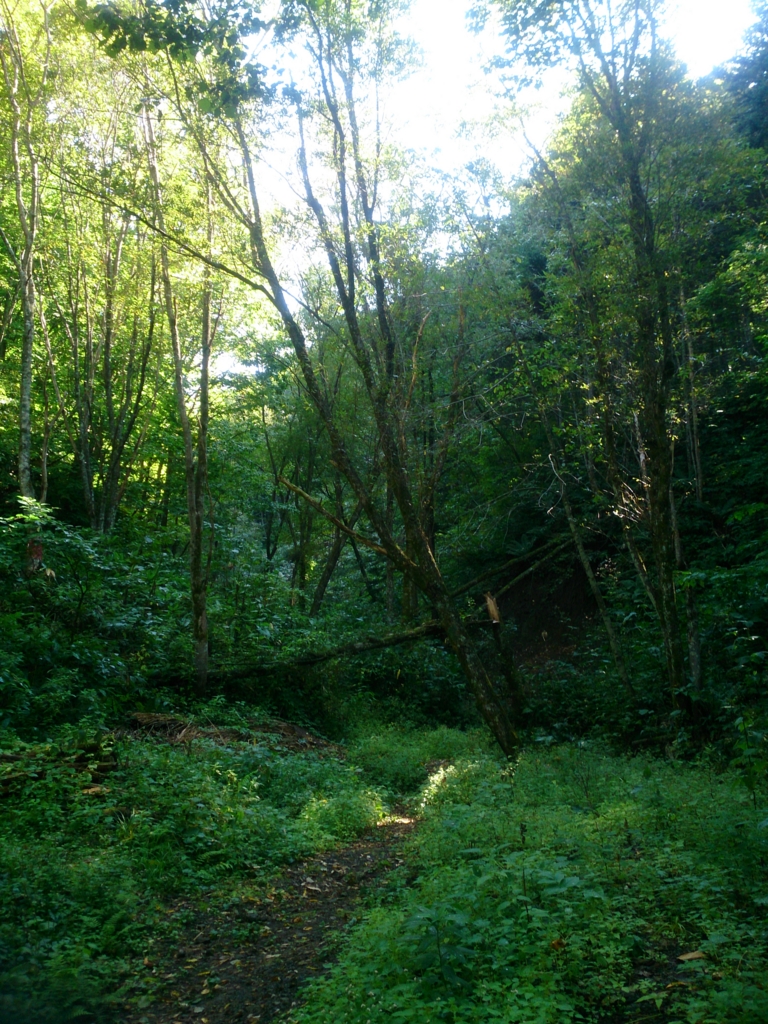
x,y
83,865
398,759
344,816
79,630
543,889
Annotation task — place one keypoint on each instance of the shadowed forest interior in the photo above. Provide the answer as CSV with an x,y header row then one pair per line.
x,y
383,566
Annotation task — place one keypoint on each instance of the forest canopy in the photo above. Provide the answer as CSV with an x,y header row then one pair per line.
x,y
274,392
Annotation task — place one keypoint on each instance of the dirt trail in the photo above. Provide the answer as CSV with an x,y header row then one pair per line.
x,y
247,961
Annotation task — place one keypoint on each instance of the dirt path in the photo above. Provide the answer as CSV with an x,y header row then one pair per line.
x,y
247,961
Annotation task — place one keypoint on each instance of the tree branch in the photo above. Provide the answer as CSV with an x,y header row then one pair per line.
x,y
338,523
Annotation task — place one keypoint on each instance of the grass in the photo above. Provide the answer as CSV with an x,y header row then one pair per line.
x,y
561,889
88,873
565,889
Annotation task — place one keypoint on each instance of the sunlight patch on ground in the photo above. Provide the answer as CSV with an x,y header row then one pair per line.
x,y
436,781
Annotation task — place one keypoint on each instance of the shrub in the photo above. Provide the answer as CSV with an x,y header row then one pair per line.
x,y
399,759
543,887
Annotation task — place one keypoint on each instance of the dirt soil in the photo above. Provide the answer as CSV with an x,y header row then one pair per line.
x,y
247,960
672,969
272,731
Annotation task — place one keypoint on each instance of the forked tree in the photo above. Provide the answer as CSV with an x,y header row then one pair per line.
x,y
352,48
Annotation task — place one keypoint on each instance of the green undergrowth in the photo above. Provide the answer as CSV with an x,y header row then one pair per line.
x,y
565,889
87,871
93,866
395,758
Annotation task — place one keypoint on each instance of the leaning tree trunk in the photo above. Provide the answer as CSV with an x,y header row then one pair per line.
x,y
337,546
375,358
491,700
417,562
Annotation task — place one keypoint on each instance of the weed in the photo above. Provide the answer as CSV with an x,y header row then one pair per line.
x,y
86,869
527,909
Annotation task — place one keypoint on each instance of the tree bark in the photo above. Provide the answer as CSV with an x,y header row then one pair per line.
x,y
691,608
24,101
26,486
195,455
656,373
339,540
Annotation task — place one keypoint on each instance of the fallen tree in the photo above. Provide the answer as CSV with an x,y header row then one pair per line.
x,y
431,628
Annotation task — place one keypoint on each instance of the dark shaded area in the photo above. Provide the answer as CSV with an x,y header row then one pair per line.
x,y
552,610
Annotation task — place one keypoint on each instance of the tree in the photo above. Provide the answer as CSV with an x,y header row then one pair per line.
x,y
25,61
99,302
352,49
631,86
747,81
195,447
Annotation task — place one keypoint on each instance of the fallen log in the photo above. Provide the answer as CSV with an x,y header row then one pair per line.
x,y
372,643
431,628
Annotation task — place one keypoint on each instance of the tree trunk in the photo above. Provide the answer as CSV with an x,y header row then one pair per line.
x,y
594,586
339,540
691,609
26,178
656,373
375,361
196,469
364,572
663,547
165,502
490,703
692,415
199,485
25,395
389,583
48,424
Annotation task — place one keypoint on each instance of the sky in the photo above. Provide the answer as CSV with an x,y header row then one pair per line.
x,y
451,88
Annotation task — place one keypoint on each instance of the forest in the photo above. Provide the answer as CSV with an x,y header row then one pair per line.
x,y
383,565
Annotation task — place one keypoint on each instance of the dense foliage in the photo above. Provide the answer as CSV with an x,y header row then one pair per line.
x,y
235,461
541,888
83,866
294,426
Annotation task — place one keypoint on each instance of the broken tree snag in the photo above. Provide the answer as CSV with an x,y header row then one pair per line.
x,y
493,609
34,559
